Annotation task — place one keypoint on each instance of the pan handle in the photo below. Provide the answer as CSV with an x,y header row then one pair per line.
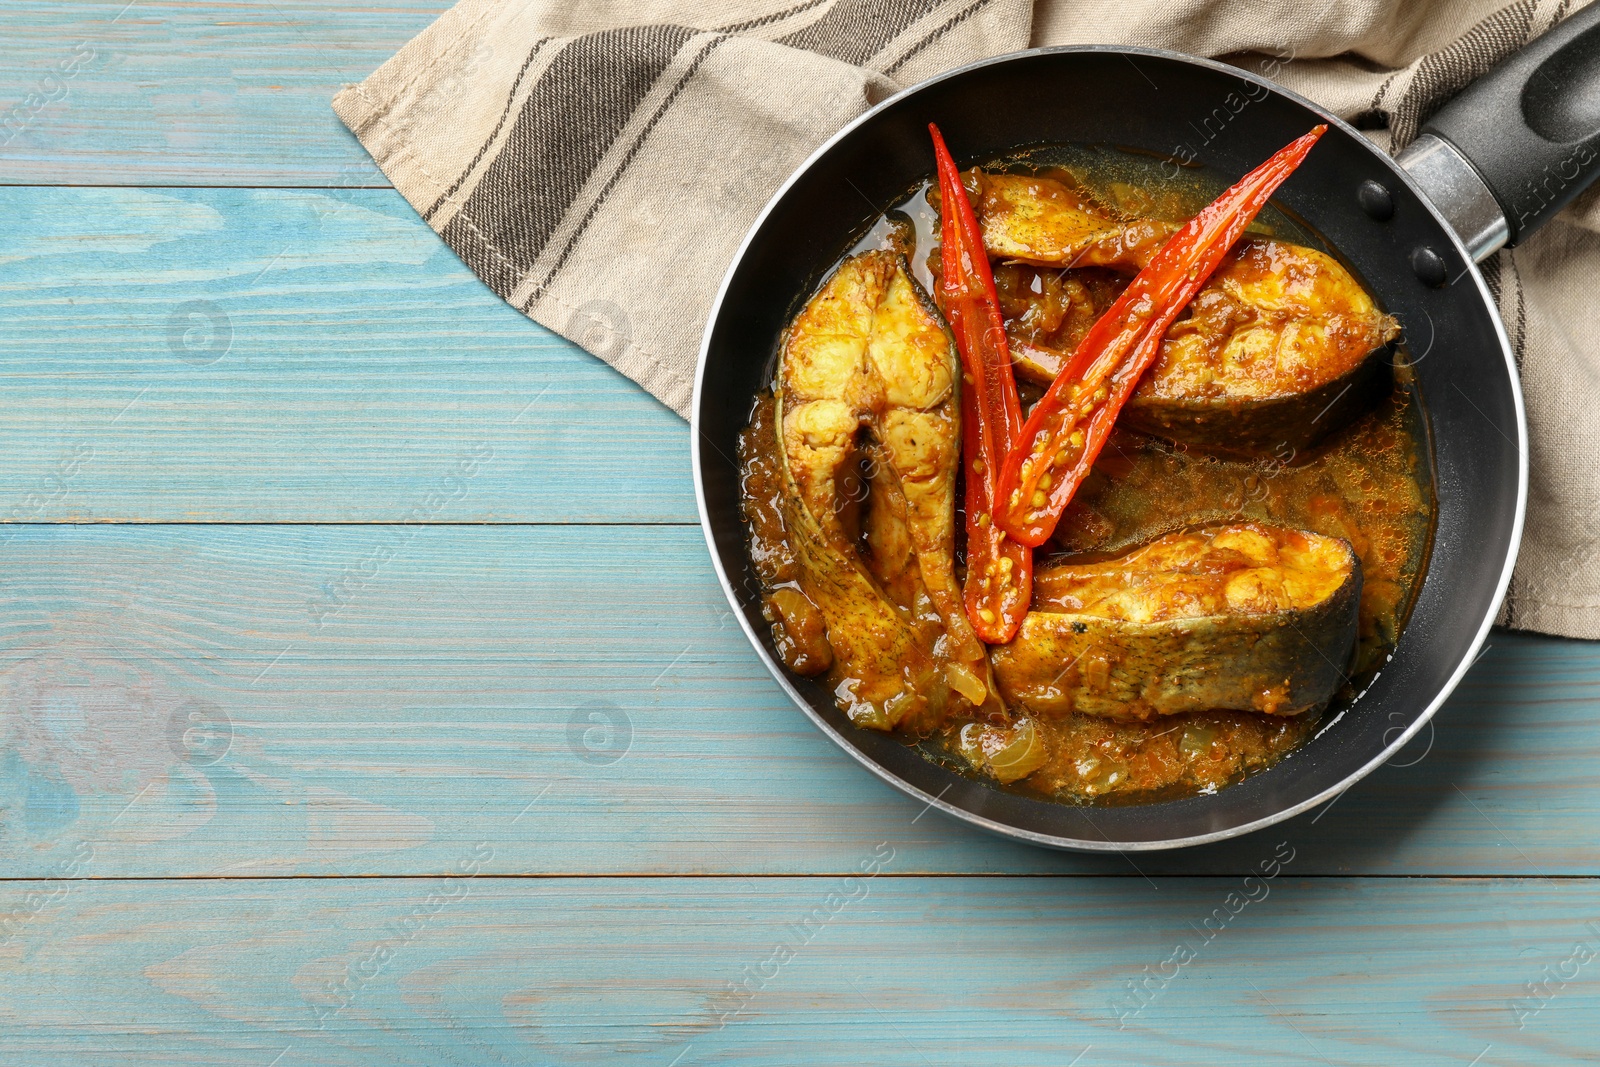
x,y
1527,134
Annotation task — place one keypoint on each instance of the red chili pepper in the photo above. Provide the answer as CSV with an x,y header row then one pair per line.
x,y
1070,424
999,571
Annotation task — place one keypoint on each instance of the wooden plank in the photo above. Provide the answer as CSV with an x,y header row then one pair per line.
x,y
279,700
180,93
475,970
282,356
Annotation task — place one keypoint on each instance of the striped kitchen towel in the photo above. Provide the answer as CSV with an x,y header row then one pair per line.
x,y
598,163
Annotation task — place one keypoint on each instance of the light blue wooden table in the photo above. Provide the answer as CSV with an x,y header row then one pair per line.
x,y
368,698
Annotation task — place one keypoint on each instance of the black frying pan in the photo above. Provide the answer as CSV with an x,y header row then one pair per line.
x,y
1493,165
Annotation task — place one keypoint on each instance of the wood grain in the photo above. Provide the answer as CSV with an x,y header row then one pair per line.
x,y
372,700
884,970
293,355
192,93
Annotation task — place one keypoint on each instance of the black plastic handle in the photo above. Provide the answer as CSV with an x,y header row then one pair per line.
x,y
1531,126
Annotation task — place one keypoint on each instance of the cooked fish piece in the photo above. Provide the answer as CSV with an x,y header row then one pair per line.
x,y
870,438
1029,219
1240,617
1281,346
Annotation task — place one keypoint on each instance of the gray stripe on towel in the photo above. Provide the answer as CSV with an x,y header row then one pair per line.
x,y
856,30
573,114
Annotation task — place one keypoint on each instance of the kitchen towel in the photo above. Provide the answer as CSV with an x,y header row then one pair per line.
x,y
597,164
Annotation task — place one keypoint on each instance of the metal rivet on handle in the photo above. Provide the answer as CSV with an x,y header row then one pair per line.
x,y
1429,267
1375,200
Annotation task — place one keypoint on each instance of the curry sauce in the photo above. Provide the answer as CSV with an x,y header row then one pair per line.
x,y
1291,560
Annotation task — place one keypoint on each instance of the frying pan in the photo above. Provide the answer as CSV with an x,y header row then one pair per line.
x,y
1500,159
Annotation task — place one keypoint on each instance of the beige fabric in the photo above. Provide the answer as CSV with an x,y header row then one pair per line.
x,y
598,163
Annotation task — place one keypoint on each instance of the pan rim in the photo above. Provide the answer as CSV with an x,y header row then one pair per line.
x,y
1055,841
